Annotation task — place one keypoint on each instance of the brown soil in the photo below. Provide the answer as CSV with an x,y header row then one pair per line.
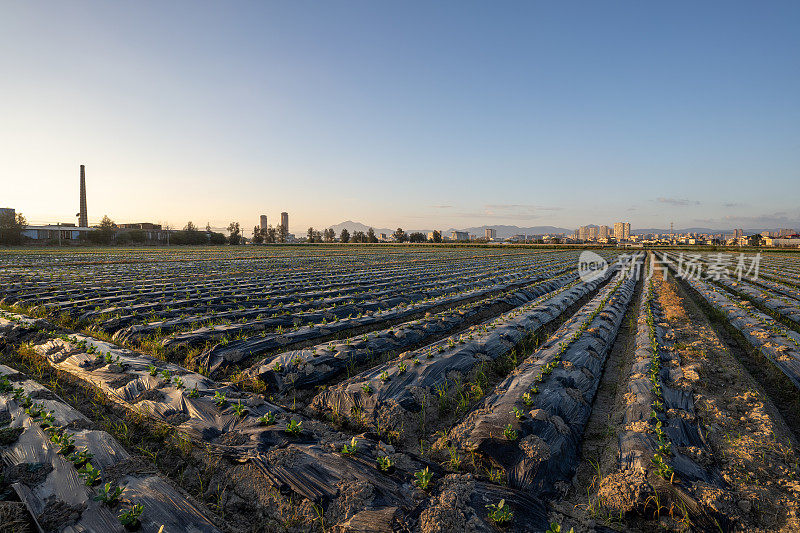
x,y
599,450
14,518
753,447
30,474
58,514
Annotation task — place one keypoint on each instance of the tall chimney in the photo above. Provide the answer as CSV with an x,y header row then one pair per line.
x,y
83,220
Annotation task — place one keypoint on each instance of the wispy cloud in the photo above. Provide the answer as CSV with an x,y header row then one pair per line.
x,y
677,202
442,206
731,205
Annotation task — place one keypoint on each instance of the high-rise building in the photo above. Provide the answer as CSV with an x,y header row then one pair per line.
x,y
263,221
593,233
285,220
83,217
738,233
583,233
622,231
491,233
602,232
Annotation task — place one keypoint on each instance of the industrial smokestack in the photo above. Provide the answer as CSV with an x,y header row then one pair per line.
x,y
83,220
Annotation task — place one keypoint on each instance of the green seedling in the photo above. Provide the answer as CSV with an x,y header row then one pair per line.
x,y
268,419
90,474
178,382
527,399
423,478
152,369
193,393
240,409
109,494
80,458
351,448
220,399
384,463
293,427
518,413
402,367
166,375
367,388
130,518
510,433
384,376
500,514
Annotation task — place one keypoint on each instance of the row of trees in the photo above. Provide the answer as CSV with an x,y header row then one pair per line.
x,y
267,235
11,226
107,233
329,235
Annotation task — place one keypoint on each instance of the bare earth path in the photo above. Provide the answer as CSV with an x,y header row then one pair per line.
x,y
753,447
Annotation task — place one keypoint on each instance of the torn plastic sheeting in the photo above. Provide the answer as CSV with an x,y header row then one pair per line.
x,y
60,500
198,417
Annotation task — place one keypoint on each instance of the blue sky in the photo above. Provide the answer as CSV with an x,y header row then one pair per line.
x,y
422,115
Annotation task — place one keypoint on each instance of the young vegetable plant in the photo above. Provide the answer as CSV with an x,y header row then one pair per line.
x,y
384,463
293,427
178,382
193,393
366,388
109,494
423,478
130,518
350,449
527,399
501,513
240,409
220,399
152,369
510,433
268,419
80,458
90,474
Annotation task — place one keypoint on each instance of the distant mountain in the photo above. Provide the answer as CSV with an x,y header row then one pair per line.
x,y
697,230
352,227
504,232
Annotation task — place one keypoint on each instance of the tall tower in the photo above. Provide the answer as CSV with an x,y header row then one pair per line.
x,y
263,221
285,220
83,217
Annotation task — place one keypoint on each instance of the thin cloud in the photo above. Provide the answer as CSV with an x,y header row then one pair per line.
x,y
677,202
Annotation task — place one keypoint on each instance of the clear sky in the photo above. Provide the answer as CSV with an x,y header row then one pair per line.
x,y
413,114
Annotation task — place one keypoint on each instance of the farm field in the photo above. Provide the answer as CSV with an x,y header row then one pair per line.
x,y
360,388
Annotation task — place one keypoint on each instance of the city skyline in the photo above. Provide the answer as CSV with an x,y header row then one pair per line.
x,y
536,115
